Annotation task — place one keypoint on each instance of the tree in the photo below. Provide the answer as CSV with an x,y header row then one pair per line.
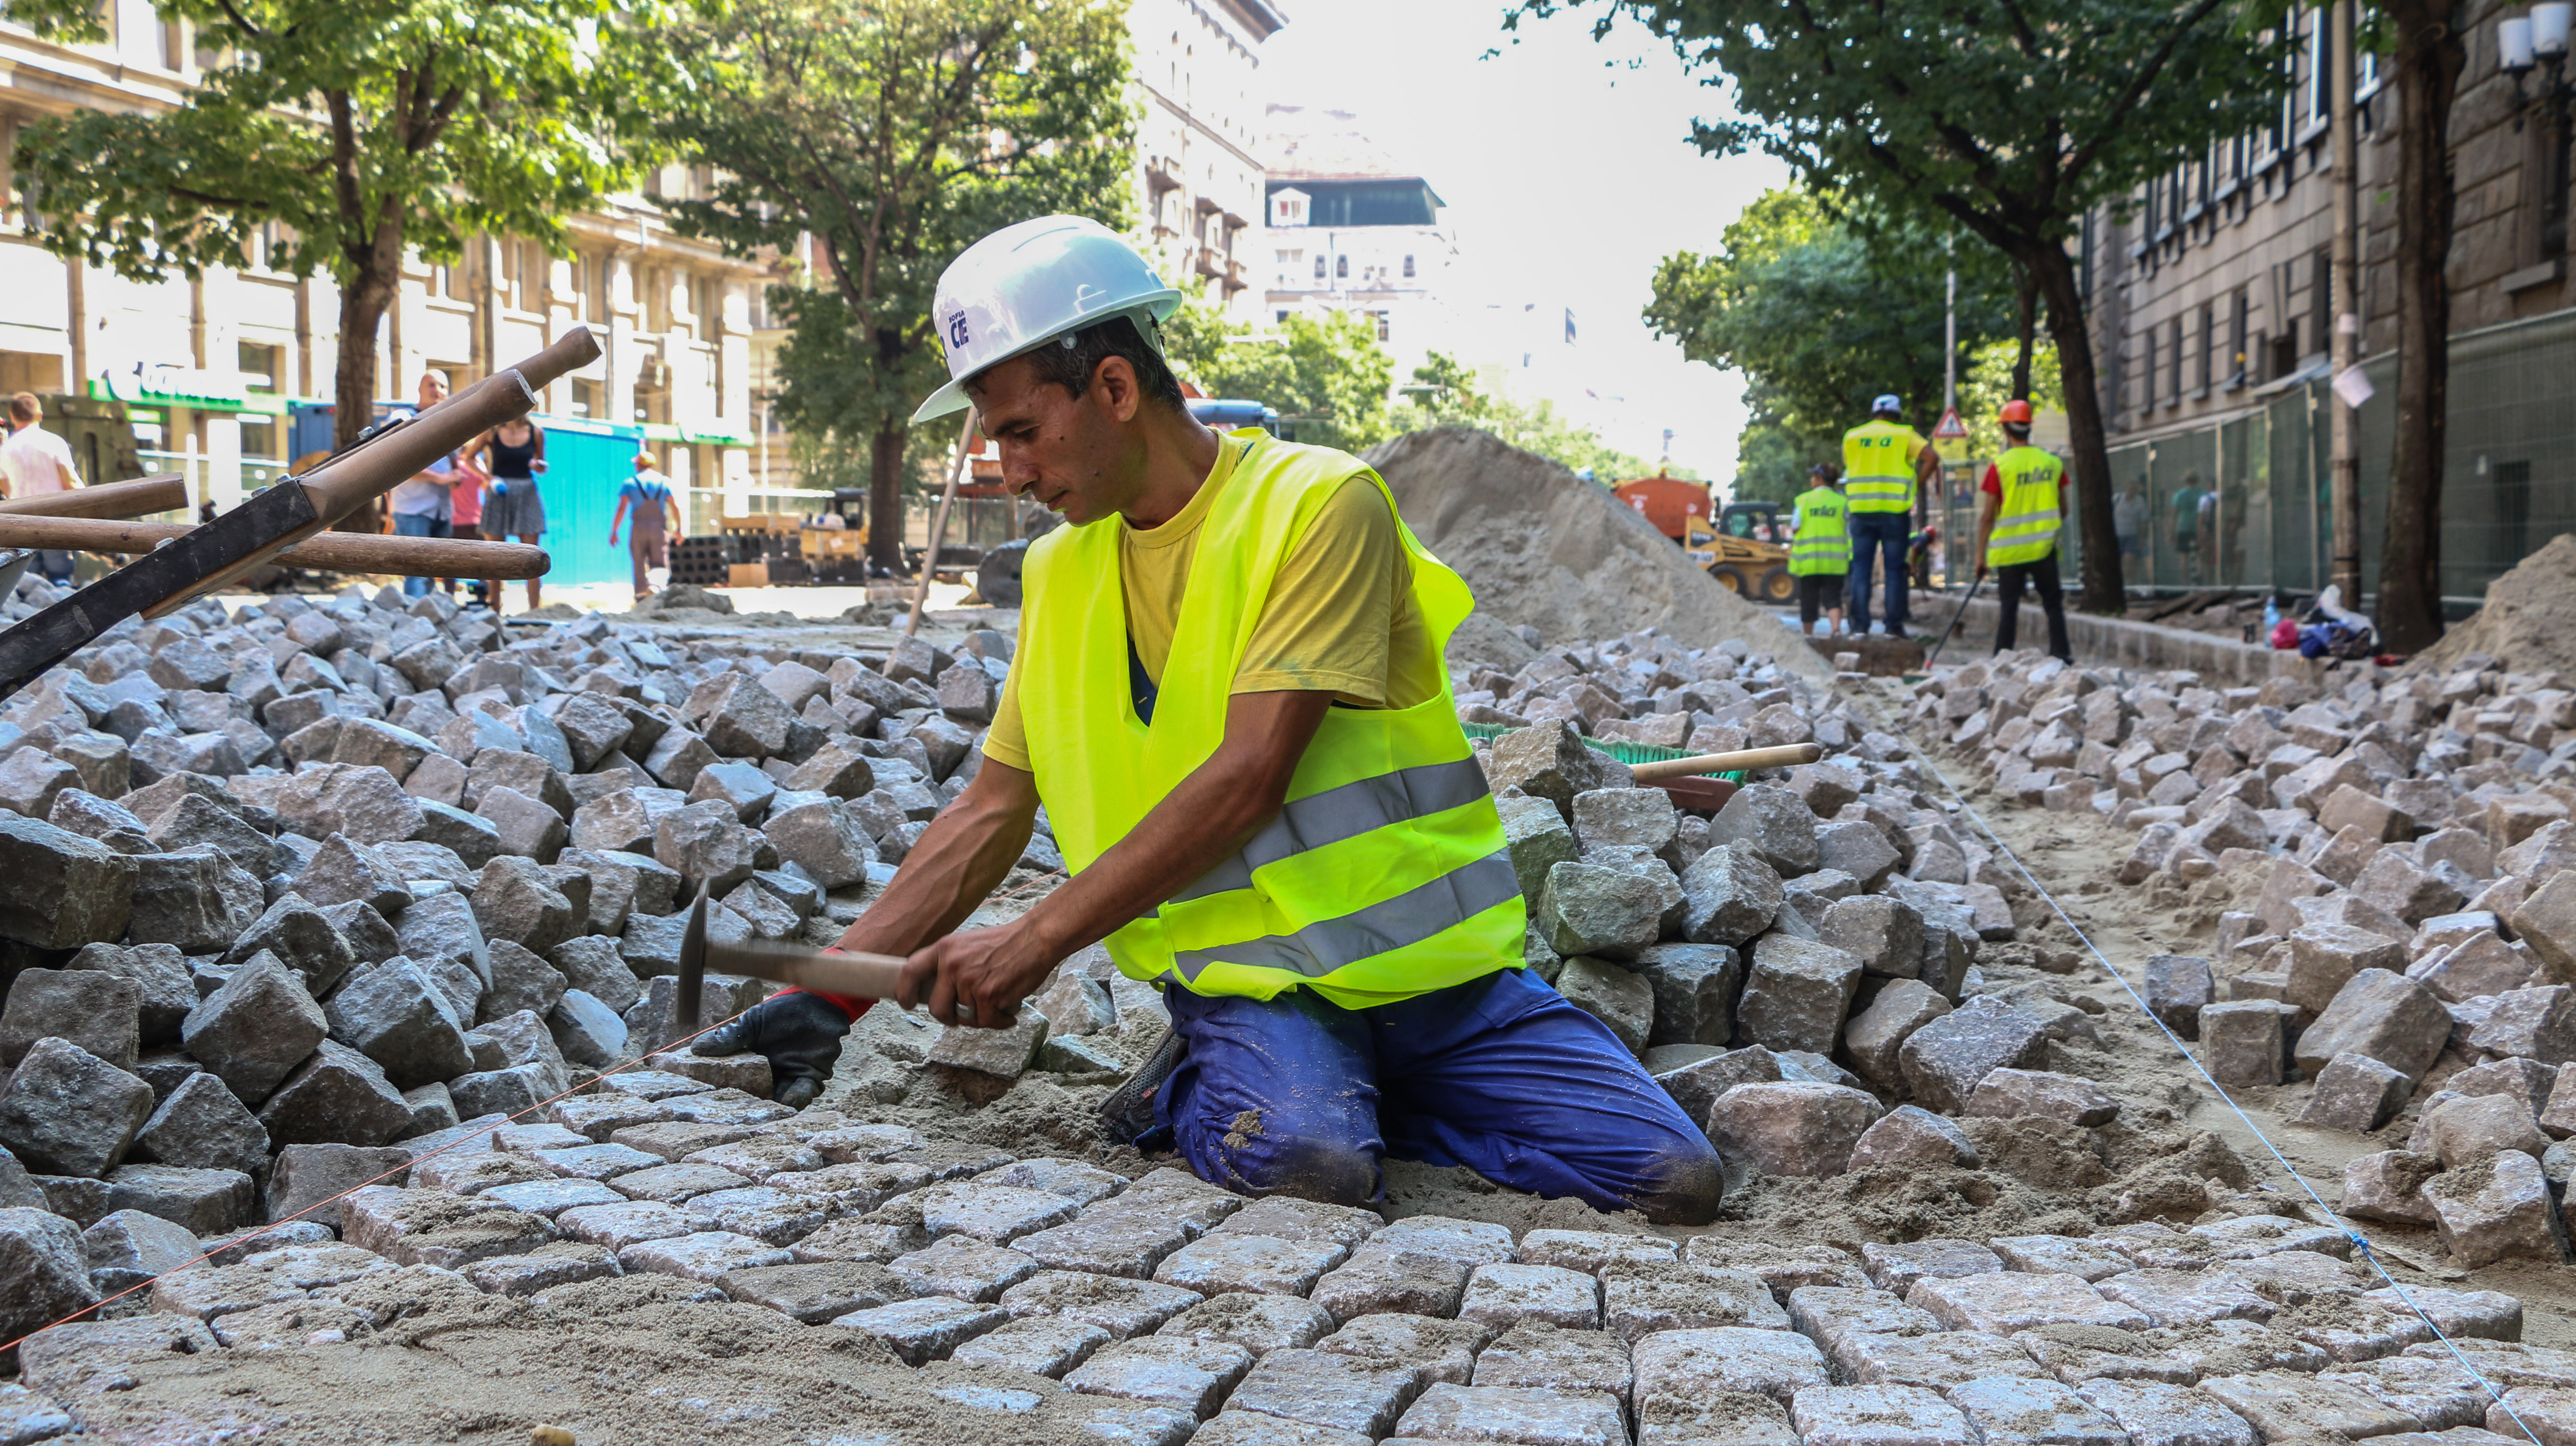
x,y
2010,118
1326,374
1825,313
1445,393
364,129
894,134
2430,56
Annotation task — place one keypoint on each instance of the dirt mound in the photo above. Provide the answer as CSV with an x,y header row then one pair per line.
x,y
2528,624
1542,546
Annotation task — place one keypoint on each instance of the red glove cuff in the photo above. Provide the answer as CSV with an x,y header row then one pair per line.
x,y
849,1004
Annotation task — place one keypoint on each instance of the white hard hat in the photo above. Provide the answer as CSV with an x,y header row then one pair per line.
x,y
1890,402
1029,283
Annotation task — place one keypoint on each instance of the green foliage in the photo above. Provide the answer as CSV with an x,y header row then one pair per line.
x,y
1987,384
1824,313
1327,374
1772,455
894,134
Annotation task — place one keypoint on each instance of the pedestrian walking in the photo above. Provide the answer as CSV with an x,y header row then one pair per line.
x,y
1820,552
36,462
2019,519
514,456
421,502
1885,464
648,492
465,521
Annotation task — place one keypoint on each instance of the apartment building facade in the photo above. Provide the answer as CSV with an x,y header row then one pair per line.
x,y
1354,229
212,370
2212,320
1199,147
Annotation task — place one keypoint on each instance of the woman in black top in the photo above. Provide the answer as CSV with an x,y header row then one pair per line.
x,y
512,454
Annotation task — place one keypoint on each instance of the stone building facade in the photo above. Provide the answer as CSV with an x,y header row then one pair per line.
x,y
1199,153
2211,319
212,368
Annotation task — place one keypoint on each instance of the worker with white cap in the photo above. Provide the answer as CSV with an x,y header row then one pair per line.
x,y
1886,465
1228,694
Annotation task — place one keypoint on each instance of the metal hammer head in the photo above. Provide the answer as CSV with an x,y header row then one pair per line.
x,y
693,969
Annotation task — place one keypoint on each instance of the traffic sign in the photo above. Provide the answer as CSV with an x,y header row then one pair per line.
x,y
1950,436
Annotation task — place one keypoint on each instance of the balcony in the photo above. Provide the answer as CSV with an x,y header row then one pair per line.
x,y
1234,281
1209,262
1162,173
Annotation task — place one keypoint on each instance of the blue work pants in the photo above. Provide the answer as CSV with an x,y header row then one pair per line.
x,y
1295,1096
418,524
1880,537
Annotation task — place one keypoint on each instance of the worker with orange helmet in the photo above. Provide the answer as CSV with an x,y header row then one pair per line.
x,y
2019,519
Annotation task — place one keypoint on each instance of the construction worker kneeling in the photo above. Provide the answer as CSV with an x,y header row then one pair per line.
x,y
1229,696
2020,514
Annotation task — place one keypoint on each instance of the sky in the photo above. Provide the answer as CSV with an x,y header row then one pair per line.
x,y
1568,170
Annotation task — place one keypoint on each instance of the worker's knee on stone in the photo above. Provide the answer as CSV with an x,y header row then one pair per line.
x,y
1260,1153
1688,1188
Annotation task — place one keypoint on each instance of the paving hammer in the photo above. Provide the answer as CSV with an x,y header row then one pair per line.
x,y
868,976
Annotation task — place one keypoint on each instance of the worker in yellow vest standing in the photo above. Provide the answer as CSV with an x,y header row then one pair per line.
x,y
1885,464
2021,512
1229,696
1820,552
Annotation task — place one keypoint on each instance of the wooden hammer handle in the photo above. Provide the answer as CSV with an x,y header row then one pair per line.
x,y
1786,756
362,552
868,976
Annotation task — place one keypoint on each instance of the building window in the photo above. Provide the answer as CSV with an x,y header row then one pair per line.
x,y
1381,324
2208,347
2147,372
2173,393
1342,267
2240,307
585,398
1281,318
1408,266
2320,302
260,366
1319,268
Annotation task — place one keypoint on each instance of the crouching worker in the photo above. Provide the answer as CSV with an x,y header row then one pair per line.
x,y
1229,695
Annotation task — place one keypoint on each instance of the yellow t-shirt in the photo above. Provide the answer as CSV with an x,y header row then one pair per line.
x,y
1341,617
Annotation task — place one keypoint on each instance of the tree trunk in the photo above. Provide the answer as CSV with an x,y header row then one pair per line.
x,y
2053,273
2026,292
364,300
885,496
2429,60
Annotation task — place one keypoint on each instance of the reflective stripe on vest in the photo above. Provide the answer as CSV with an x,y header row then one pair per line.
x,y
1821,544
1878,473
2026,520
1384,876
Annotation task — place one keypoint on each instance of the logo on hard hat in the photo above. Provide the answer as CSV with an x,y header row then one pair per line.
x,y
957,331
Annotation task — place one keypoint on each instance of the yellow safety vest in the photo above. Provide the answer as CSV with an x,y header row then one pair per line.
x,y
1821,544
1878,466
1386,874
2026,521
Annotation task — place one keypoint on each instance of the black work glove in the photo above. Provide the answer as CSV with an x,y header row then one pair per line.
x,y
799,1033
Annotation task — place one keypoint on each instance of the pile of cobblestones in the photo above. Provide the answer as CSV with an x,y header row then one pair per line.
x,y
2399,852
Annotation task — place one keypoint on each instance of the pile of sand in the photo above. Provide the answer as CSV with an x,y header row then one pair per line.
x,y
1545,548
2528,624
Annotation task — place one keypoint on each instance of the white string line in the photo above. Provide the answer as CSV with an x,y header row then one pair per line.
x,y
2359,1240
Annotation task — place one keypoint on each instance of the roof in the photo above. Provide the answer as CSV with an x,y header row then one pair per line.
x,y
1260,20
1310,143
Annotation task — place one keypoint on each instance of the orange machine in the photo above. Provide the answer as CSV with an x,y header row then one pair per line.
x,y
1667,502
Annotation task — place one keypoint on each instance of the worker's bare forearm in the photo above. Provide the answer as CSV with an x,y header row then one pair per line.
x,y
1212,813
964,855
